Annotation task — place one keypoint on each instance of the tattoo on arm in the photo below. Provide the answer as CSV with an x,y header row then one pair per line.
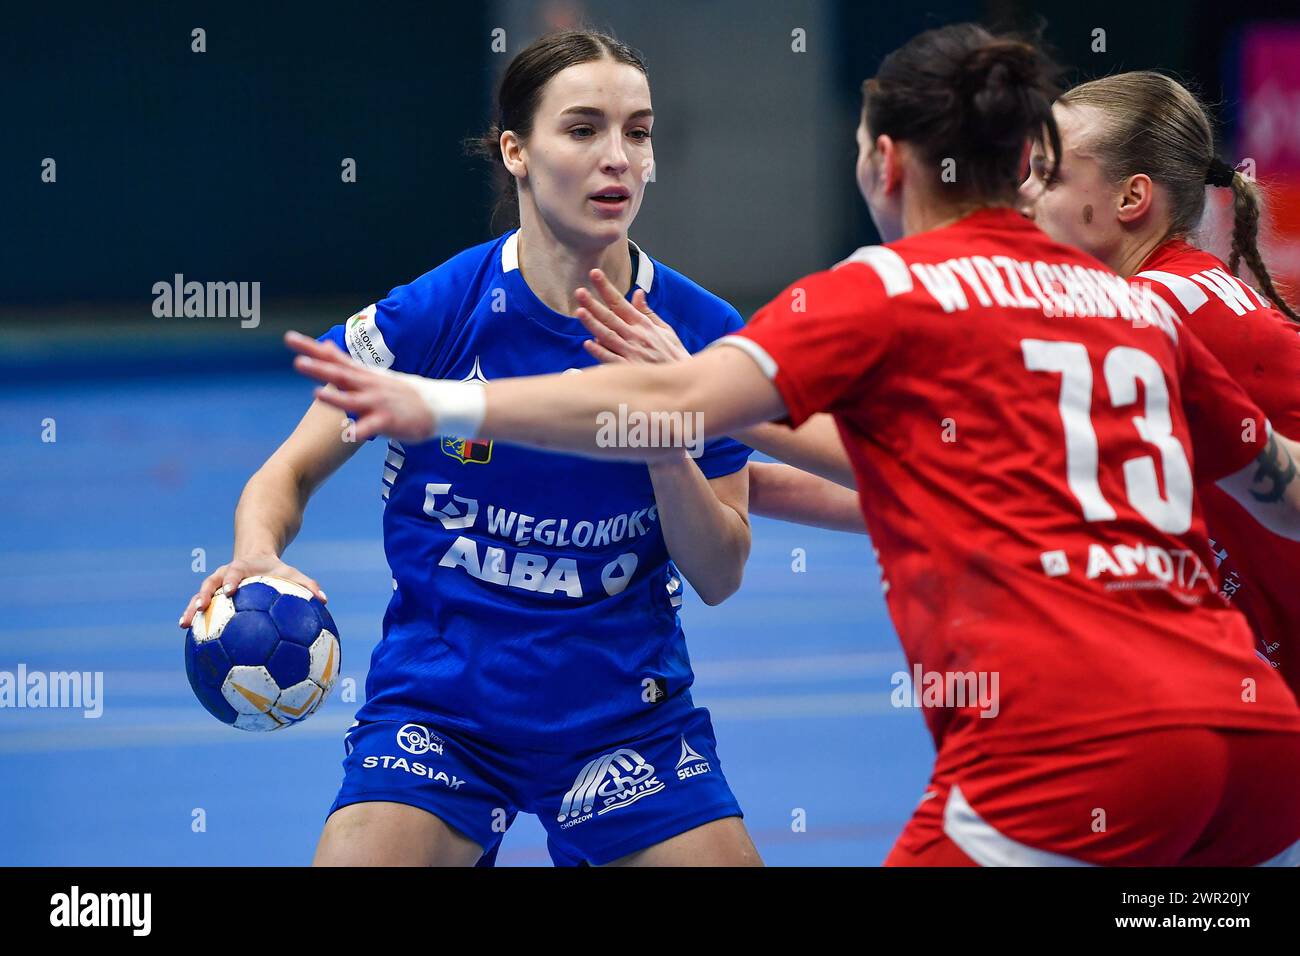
x,y
1277,468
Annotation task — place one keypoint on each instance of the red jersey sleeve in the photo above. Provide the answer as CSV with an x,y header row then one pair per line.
x,y
821,338
1262,352
1228,429
1258,345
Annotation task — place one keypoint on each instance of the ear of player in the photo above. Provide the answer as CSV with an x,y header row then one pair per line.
x,y
264,659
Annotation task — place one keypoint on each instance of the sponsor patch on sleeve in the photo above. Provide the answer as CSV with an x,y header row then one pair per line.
x,y
364,340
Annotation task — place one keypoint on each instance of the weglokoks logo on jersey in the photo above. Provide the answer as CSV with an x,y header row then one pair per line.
x,y
616,780
415,739
477,451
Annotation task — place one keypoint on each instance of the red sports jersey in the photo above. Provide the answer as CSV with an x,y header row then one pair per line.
x,y
1022,437
1260,348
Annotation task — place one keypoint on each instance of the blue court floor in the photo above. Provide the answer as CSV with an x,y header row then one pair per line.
x,y
99,535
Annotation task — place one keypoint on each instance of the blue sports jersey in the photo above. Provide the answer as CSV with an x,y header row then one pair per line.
x,y
534,600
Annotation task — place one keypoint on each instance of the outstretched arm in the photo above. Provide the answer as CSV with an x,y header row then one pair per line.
x,y
596,413
815,446
788,494
717,391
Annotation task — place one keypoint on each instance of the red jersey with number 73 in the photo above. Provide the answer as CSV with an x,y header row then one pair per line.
x,y
1026,432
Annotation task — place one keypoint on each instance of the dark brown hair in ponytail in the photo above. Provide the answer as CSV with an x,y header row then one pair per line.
x,y
521,92
1153,124
962,93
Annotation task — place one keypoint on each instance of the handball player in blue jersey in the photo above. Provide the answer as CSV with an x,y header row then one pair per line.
x,y
532,659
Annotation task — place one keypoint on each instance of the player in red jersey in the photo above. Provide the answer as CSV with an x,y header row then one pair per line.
x,y
1025,436
1137,154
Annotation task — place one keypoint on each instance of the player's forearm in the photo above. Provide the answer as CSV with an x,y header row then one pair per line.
x,y
583,413
269,513
1269,487
707,539
640,412
1291,491
788,494
814,447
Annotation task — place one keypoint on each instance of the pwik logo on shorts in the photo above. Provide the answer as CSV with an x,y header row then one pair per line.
x,y
614,781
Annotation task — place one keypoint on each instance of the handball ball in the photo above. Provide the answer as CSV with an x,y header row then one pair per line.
x,y
265,658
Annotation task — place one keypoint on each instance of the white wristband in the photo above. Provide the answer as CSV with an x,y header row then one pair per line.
x,y
457,407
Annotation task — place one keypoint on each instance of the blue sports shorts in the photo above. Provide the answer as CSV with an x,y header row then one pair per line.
x,y
597,805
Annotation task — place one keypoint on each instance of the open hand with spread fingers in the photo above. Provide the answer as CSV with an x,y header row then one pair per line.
x,y
625,331
384,402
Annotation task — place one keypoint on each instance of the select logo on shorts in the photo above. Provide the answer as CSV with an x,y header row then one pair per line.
x,y
614,781
415,739
467,451
690,764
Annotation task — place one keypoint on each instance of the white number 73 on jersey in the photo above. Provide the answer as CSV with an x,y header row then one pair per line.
x,y
1123,368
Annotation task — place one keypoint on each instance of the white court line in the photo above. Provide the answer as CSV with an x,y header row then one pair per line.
x,y
739,670
146,683
773,706
169,726
106,639
340,553
113,580
170,556
175,726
